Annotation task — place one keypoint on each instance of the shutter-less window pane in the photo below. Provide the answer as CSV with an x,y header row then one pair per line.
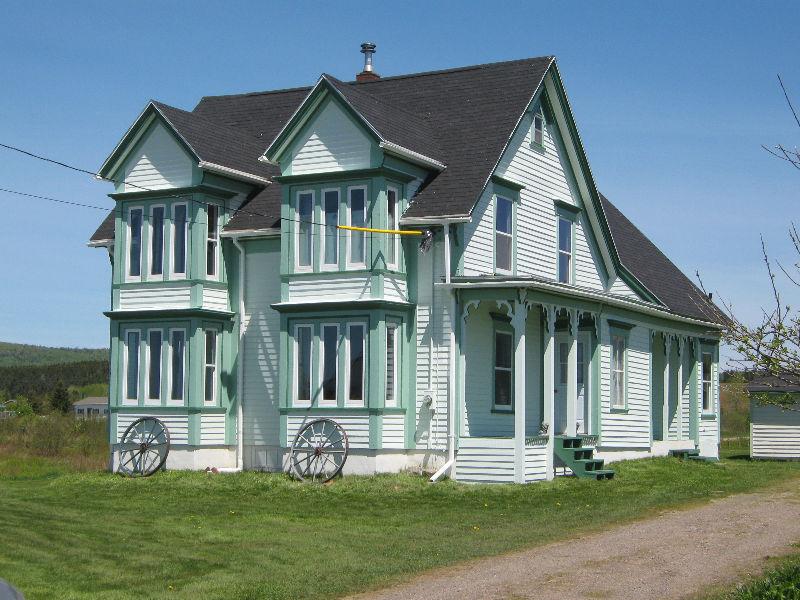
x,y
392,240
330,344
154,368
707,382
212,214
331,237
564,250
503,371
563,362
210,379
538,129
618,371
135,248
356,362
132,376
179,239
357,219
305,211
178,345
157,241
503,234
391,365
303,382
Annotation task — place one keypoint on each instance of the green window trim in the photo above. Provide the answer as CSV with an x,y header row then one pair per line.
x,y
569,217
538,130
622,334
504,194
502,330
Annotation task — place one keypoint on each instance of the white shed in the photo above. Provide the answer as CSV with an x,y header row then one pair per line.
x,y
90,408
774,431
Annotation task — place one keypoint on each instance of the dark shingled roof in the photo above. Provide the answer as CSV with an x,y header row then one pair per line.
x,y
105,233
658,273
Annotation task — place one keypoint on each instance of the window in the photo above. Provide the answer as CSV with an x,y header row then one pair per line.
x,y
177,364
537,131
212,215
503,370
157,240
330,256
564,250
135,242
302,364
618,347
355,363
210,380
391,364
358,209
392,241
330,363
305,234
179,231
132,365
503,239
154,364
708,401
563,363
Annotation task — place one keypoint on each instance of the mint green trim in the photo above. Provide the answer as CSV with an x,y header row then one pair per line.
x,y
170,410
179,194
362,305
708,417
387,171
618,410
570,209
511,187
596,396
694,409
167,313
350,410
570,216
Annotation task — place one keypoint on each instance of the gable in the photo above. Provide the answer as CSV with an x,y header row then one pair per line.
x,y
157,162
331,141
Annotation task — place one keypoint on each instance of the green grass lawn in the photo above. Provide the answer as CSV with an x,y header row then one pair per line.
x,y
779,582
252,535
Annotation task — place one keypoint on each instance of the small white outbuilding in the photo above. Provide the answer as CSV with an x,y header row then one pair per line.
x,y
91,408
774,430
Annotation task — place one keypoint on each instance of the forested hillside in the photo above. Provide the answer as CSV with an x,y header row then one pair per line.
x,y
14,355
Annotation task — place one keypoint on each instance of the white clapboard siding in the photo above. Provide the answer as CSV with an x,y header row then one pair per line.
x,y
485,460
629,429
355,426
144,298
395,288
215,299
332,143
433,320
545,180
620,288
177,425
340,286
261,325
212,429
535,463
775,441
478,419
394,431
159,162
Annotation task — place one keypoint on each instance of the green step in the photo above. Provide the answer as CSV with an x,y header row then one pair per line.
x,y
591,464
565,441
580,459
602,474
684,453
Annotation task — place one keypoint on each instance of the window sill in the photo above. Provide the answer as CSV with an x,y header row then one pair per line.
x,y
503,411
708,417
538,147
619,410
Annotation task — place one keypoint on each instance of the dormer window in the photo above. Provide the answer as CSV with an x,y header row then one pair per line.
x,y
537,131
212,241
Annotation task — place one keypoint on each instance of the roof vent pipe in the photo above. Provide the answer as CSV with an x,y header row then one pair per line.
x,y
367,49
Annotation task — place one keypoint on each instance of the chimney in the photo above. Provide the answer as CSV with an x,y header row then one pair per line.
x,y
367,49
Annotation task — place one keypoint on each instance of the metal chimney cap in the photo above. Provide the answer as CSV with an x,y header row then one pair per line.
x,y
368,47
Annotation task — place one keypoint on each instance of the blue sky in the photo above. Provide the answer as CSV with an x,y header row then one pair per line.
x,y
673,101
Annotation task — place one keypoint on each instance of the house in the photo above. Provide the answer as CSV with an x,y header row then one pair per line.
x,y
774,418
542,332
90,408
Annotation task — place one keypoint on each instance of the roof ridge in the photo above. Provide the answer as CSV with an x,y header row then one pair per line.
x,y
259,93
388,103
236,132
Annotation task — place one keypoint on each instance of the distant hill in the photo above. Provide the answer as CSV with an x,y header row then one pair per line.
x,y
19,355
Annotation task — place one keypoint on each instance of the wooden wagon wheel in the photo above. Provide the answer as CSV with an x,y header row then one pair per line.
x,y
319,451
143,448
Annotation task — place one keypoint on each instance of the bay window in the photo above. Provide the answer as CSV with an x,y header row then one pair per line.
x,y
356,333
330,255
305,233
210,367
302,364
154,364
157,240
358,211
179,237
392,357
330,364
392,240
212,239
135,242
177,365
132,365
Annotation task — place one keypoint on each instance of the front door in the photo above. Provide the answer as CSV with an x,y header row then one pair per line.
x,y
561,398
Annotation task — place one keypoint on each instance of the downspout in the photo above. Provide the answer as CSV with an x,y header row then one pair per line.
x,y
239,366
451,357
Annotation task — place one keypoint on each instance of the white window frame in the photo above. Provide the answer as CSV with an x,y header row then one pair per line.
x,y
393,240
148,401
326,231
150,231
502,407
321,366
215,380
711,409
570,279
349,261
348,374
170,400
296,365
297,266
217,243
125,359
539,145
143,263
395,401
618,403
497,232
173,237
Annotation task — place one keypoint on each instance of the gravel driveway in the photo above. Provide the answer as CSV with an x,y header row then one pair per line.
x,y
673,555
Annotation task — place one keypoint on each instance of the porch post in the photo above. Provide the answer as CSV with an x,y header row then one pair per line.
x,y
518,322
679,408
572,373
549,382
665,404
